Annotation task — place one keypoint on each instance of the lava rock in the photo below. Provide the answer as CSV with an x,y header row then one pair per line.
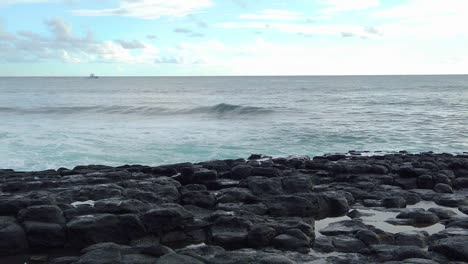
x,y
443,188
42,213
394,202
454,248
13,238
166,218
45,235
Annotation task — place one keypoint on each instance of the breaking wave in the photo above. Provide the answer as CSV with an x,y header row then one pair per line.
x,y
217,110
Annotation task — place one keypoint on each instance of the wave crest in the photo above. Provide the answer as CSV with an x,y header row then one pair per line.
x,y
216,110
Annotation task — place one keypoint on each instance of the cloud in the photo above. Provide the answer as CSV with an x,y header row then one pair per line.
x,y
64,45
151,36
182,30
135,44
149,9
303,29
272,14
4,3
336,6
188,32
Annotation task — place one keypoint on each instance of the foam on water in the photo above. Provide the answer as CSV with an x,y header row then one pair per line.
x,y
54,122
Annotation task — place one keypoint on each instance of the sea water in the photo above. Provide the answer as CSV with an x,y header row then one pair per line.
x,y
63,122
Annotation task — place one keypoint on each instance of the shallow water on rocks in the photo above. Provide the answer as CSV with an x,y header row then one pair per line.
x,y
377,217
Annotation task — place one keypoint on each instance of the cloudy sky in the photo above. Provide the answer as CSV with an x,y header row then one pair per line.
x,y
232,37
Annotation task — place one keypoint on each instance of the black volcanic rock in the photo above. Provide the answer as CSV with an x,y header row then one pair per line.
x,y
263,210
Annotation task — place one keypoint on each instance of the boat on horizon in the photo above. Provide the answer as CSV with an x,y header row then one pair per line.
x,y
92,76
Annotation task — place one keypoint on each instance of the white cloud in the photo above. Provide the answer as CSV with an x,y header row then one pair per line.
x,y
149,9
428,19
336,6
263,57
272,14
4,3
306,29
64,45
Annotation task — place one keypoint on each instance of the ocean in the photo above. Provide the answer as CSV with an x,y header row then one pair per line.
x,y
63,122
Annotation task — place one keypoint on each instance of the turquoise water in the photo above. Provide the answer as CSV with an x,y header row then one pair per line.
x,y
55,122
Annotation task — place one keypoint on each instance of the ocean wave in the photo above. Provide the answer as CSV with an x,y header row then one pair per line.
x,y
216,110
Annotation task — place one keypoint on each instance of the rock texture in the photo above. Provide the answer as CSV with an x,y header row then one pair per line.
x,y
259,210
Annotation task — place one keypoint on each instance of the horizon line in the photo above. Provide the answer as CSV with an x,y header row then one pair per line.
x,y
181,76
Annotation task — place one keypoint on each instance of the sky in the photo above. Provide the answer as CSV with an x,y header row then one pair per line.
x,y
232,37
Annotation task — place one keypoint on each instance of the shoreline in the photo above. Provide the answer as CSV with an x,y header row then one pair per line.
x,y
336,207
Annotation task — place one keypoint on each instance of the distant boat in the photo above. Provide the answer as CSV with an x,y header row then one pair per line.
x,y
92,76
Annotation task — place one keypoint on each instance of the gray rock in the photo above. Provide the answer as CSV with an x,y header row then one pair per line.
x,y
443,188
93,229
45,235
166,218
411,238
442,213
240,172
288,242
177,259
202,199
454,248
394,202
138,259
42,213
265,186
347,244
13,238
345,227
260,236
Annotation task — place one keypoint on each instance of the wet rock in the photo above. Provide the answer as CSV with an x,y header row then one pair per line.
x,y
425,182
454,248
345,227
42,213
13,238
460,182
463,209
394,202
44,235
138,259
265,186
202,199
93,229
230,232
150,245
297,184
290,205
442,213
178,258
451,200
336,203
347,244
353,214
64,260
443,188
289,242
132,226
204,176
411,238
167,218
384,253
324,244
368,237
101,256
240,172
236,195
420,217
260,236
406,183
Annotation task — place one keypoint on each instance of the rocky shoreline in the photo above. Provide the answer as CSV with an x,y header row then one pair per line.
x,y
341,208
